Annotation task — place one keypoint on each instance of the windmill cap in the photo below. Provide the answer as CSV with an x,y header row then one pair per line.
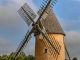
x,y
52,25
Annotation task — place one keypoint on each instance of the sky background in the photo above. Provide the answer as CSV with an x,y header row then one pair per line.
x,y
13,28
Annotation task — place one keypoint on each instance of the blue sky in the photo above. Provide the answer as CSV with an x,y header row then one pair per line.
x,y
13,28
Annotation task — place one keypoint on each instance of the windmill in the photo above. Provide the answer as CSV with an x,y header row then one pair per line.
x,y
47,33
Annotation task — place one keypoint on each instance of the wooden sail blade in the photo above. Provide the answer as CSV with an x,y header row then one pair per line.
x,y
24,42
56,44
49,47
44,4
27,14
48,40
43,11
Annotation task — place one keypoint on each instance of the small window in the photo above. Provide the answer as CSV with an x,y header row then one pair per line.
x,y
45,51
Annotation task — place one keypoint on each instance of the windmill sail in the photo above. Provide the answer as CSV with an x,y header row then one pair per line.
x,y
45,8
27,14
53,41
48,40
24,42
49,47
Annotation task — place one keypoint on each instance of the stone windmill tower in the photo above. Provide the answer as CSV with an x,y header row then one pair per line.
x,y
48,32
56,34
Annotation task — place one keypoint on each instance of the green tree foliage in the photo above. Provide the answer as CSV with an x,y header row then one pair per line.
x,y
22,56
0,57
11,56
75,58
4,57
30,57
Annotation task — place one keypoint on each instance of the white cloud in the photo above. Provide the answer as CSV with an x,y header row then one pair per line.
x,y
3,42
68,24
72,40
30,2
11,19
5,46
74,34
30,49
76,21
8,13
8,16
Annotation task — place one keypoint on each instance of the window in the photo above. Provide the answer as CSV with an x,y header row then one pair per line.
x,y
45,51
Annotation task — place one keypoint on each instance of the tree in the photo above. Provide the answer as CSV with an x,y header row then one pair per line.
x,y
75,58
0,57
4,57
11,56
21,56
30,57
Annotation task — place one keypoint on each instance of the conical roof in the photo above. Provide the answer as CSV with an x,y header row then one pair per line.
x,y
52,25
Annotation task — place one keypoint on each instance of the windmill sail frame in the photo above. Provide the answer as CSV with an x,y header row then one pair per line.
x,y
27,14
